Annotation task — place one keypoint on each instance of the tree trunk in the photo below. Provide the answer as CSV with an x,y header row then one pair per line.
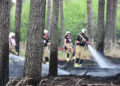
x,y
62,22
108,40
49,17
4,44
54,40
34,49
114,13
111,24
100,31
90,22
18,23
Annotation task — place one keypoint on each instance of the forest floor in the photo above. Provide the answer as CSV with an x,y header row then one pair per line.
x,y
84,80
78,80
70,80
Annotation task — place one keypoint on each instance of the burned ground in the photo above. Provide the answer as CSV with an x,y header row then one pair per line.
x,y
73,80
90,74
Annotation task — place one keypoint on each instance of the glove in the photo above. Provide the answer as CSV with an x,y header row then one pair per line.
x,y
82,43
86,41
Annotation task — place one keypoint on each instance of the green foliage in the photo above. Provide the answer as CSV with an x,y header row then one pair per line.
x,y
24,19
75,17
75,14
118,23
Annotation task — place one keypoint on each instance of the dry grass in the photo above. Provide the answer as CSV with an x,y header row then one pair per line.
x,y
22,49
61,54
114,52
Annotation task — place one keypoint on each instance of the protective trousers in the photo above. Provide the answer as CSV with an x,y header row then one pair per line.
x,y
68,51
13,50
79,53
46,54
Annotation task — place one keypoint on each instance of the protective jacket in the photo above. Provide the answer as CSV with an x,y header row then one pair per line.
x,y
46,40
68,39
81,41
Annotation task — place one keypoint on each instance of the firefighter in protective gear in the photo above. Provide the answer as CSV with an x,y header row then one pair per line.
x,y
68,45
12,43
46,44
79,51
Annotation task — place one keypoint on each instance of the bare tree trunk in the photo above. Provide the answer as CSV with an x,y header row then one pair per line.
x,y
4,45
62,22
34,50
108,40
114,13
18,23
111,24
54,40
90,22
49,17
100,31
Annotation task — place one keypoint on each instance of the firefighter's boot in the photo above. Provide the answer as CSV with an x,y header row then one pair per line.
x,y
80,62
68,57
76,63
47,60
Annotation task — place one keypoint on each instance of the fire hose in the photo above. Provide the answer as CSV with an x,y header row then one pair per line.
x,y
64,48
63,66
84,39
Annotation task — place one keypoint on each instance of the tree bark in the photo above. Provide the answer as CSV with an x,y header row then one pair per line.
x,y
114,13
111,24
49,17
108,40
62,22
100,31
90,22
18,23
34,50
54,40
4,44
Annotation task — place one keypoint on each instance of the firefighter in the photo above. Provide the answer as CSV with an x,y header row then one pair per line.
x,y
68,45
46,44
79,51
12,43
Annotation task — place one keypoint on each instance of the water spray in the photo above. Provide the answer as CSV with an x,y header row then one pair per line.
x,y
102,62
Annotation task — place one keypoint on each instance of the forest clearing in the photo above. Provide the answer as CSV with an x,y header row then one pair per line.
x,y
59,43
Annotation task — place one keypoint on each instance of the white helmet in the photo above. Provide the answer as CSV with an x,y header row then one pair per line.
x,y
68,32
84,31
11,34
45,31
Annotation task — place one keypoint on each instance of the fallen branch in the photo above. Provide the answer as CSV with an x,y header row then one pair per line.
x,y
54,80
86,72
100,85
23,82
42,81
12,82
78,82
